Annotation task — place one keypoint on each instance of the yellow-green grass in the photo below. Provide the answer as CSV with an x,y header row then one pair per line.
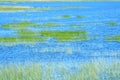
x,y
113,38
84,71
21,8
112,23
66,35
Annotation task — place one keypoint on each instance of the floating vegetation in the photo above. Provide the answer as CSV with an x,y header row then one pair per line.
x,y
80,17
65,35
21,40
112,24
66,16
21,8
31,39
19,25
8,39
24,25
27,33
113,38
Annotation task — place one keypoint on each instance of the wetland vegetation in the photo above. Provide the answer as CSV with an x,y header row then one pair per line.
x,y
34,71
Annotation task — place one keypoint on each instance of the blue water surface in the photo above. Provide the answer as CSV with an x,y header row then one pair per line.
x,y
96,17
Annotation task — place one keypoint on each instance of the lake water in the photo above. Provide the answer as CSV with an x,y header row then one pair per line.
x,y
92,17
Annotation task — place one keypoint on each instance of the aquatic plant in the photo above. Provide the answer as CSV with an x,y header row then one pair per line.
x,y
65,35
19,25
8,39
80,17
27,33
113,38
66,16
112,24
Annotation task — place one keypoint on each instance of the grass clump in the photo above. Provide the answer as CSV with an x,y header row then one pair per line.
x,y
112,24
65,35
20,72
113,38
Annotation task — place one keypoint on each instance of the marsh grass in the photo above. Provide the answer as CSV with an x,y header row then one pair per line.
x,y
86,71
